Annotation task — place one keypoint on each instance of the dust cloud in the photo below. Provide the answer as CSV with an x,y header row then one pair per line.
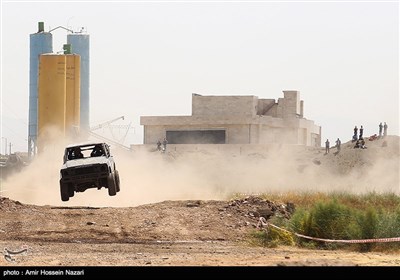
x,y
200,174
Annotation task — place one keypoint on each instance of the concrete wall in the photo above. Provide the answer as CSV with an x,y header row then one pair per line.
x,y
301,109
245,120
239,134
258,130
291,104
264,106
223,105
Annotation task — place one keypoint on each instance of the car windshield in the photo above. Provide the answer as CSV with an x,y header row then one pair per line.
x,y
78,152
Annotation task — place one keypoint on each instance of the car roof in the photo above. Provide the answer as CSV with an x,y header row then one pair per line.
x,y
84,144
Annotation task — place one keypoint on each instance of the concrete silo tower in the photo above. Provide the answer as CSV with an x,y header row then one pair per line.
x,y
40,43
80,45
59,98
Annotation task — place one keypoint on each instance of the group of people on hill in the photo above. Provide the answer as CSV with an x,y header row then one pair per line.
x,y
358,137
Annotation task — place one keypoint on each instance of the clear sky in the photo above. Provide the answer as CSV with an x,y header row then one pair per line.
x,y
147,58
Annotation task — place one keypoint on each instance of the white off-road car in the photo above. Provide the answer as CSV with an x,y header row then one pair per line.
x,y
88,165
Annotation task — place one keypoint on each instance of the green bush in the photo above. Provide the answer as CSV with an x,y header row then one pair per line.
x,y
368,224
333,220
326,220
388,225
337,216
330,220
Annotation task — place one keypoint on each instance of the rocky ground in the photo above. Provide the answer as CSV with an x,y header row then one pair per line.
x,y
170,233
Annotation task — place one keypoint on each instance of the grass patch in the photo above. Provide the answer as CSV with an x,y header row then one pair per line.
x,y
336,216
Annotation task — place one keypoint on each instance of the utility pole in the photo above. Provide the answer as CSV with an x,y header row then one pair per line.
x,y
10,148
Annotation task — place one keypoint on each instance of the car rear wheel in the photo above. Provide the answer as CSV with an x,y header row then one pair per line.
x,y
64,192
111,185
71,190
117,181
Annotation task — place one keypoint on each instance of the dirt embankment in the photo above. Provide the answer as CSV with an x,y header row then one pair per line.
x,y
170,233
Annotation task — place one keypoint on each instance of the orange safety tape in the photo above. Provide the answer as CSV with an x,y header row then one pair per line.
x,y
263,222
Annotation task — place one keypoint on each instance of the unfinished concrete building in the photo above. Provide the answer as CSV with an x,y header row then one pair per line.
x,y
236,120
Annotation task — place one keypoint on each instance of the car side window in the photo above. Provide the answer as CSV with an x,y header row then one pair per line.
x,y
70,154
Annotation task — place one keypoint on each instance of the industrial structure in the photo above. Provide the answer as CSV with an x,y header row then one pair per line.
x,y
80,45
236,120
57,105
40,42
58,97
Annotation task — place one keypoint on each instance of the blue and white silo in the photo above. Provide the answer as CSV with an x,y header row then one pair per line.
x,y
80,45
40,43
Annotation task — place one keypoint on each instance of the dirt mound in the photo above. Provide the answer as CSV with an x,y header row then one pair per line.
x,y
168,233
10,205
168,220
351,159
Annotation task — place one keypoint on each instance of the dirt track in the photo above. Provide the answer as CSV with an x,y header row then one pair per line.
x,y
170,233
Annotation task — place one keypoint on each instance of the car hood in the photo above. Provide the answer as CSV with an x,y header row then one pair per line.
x,y
85,161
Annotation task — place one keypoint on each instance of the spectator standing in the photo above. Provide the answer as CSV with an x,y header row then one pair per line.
x,y
385,127
361,132
326,146
159,145
164,142
355,137
380,130
338,143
